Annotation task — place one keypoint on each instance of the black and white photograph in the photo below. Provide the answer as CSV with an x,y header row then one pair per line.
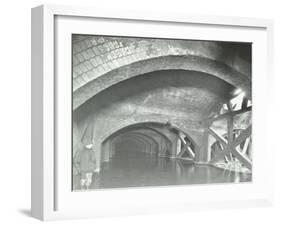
x,y
160,112
133,113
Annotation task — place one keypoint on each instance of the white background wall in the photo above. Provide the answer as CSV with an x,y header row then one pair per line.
x,y
15,111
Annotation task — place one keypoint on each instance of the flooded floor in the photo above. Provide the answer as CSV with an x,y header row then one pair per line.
x,y
137,169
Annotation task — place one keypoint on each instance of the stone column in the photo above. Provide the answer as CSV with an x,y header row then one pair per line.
x,y
230,135
106,151
162,147
76,138
203,152
178,146
97,150
174,147
110,149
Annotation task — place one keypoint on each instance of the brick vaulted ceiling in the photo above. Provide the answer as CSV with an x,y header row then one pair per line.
x,y
121,77
100,62
171,93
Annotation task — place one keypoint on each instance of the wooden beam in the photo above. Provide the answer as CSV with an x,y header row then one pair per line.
x,y
230,145
229,106
243,136
229,135
230,129
244,103
230,113
182,138
245,147
181,153
226,148
186,146
218,137
190,151
242,158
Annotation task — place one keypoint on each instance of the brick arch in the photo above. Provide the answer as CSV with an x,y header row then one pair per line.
x,y
143,138
103,135
200,64
144,121
134,122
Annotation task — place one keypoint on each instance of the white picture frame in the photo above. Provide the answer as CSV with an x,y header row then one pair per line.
x,y
49,25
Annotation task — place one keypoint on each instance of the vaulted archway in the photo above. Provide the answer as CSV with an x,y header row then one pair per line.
x,y
161,94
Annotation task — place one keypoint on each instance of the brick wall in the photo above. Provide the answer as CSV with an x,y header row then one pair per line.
x,y
96,56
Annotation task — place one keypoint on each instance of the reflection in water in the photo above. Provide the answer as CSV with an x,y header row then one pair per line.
x,y
137,169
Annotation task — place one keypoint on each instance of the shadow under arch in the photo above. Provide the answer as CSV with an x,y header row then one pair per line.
x,y
132,123
109,153
169,62
128,127
137,132
144,142
143,137
147,123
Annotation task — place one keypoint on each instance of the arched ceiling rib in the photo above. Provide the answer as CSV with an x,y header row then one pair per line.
x,y
100,62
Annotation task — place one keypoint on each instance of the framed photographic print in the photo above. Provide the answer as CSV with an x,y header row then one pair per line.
x,y
136,113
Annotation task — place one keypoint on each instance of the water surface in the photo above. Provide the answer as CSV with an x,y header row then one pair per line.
x,y
137,169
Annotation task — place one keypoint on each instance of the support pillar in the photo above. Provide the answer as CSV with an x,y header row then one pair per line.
x,y
178,146
106,151
110,149
203,153
97,150
230,135
151,148
162,147
76,138
174,147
